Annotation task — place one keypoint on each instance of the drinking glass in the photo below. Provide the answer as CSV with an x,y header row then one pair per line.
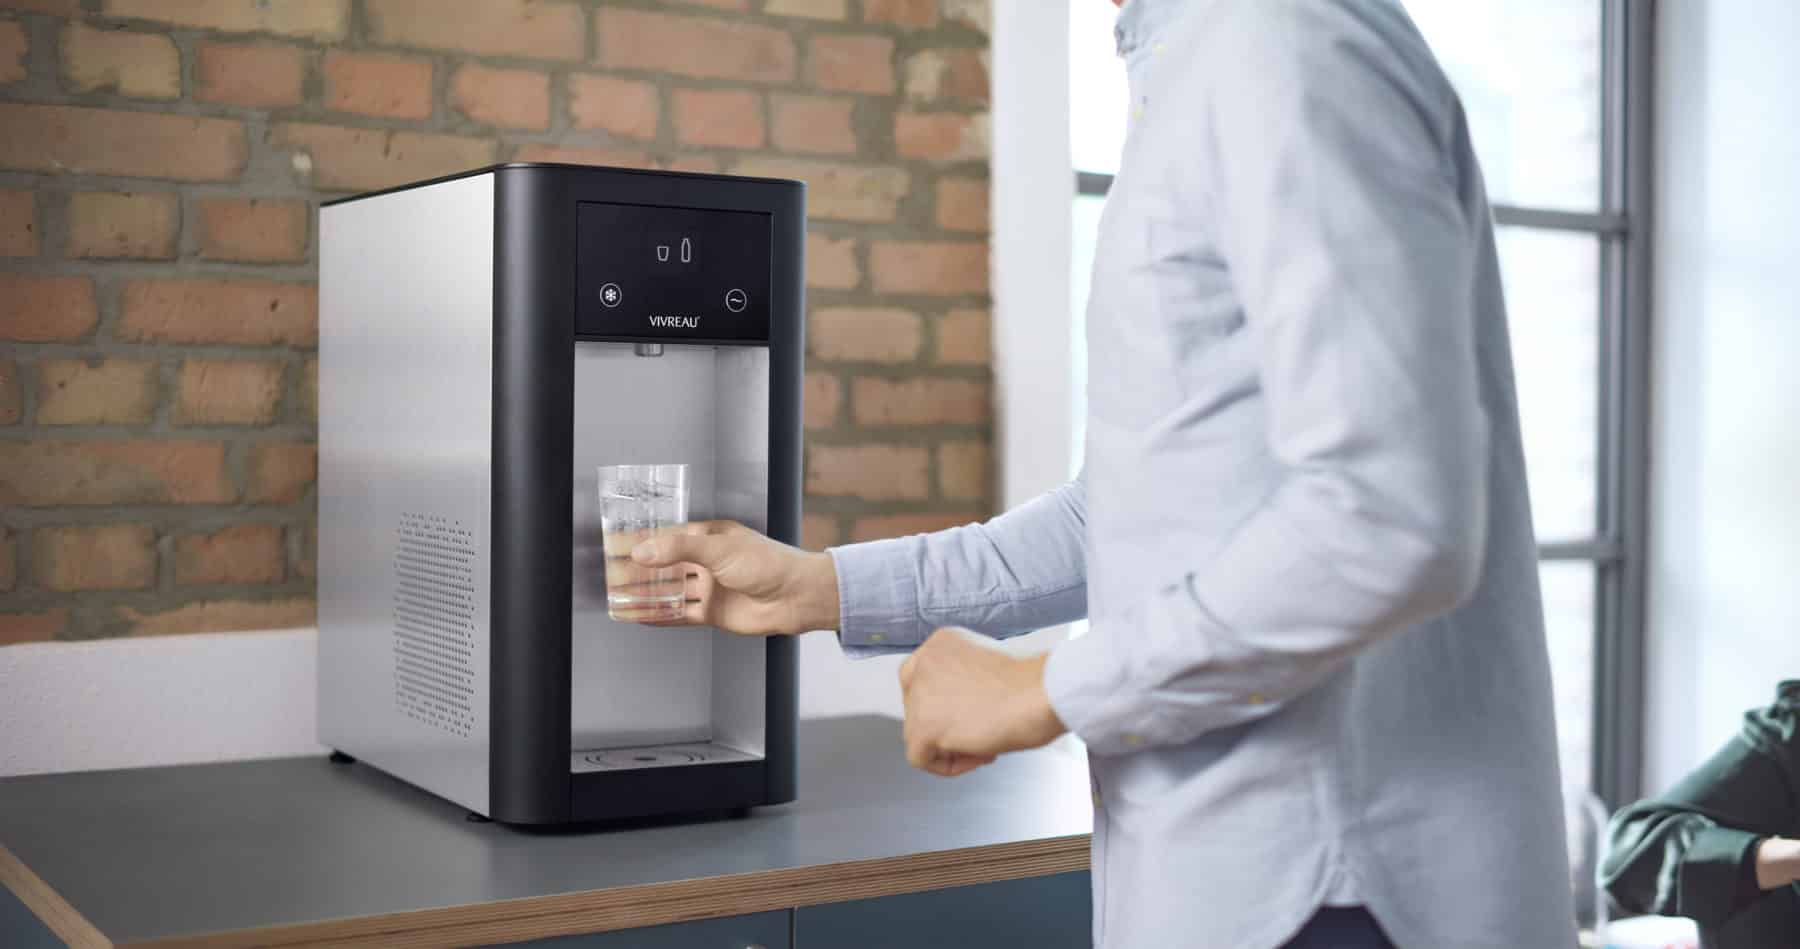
x,y
638,502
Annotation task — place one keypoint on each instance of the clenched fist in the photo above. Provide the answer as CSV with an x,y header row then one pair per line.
x,y
967,703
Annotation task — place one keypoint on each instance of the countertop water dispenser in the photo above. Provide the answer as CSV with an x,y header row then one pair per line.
x,y
486,341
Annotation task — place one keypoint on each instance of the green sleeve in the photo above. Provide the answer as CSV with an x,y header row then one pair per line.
x,y
1692,851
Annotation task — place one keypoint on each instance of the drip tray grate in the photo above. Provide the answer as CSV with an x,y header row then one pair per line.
x,y
655,756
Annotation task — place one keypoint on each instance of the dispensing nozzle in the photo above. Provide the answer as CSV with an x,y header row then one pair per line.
x,y
647,349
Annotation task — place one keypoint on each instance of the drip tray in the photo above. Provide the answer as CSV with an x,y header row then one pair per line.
x,y
655,756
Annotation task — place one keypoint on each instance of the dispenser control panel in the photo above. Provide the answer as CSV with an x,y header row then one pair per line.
x,y
671,274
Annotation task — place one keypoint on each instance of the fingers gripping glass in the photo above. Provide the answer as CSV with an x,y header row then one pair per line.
x,y
638,502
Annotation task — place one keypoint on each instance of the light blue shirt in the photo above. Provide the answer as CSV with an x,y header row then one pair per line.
x,y
1316,672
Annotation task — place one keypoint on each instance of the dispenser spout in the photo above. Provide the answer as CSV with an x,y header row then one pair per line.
x,y
647,349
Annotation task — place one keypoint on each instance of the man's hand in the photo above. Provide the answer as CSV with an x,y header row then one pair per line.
x,y
742,582
1777,863
967,703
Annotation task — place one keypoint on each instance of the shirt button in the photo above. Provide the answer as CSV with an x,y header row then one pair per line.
x,y
878,637
1133,739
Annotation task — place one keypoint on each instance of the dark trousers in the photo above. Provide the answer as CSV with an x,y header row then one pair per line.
x,y
1341,927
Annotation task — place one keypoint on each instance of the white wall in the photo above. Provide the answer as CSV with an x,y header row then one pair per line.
x,y
1724,575
1034,183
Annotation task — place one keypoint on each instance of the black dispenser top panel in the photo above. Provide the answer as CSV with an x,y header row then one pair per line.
x,y
672,274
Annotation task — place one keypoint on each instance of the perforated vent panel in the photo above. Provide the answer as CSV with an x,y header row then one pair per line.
x,y
434,621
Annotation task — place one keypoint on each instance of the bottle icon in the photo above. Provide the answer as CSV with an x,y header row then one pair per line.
x,y
687,251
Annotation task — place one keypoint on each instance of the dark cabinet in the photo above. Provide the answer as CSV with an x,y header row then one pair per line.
x,y
1052,912
755,931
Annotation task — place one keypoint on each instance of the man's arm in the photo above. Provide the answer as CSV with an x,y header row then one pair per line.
x,y
1706,849
1340,215
1023,570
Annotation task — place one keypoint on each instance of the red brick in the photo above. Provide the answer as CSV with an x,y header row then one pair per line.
x,y
974,14
831,262
253,230
280,472
305,544
18,223
582,155
106,557
941,136
46,309
353,159
14,46
965,338
949,268
725,118
851,63
123,225
59,139
905,525
53,7
693,46
912,13
531,28
101,392
41,626
390,87
920,401
840,192
227,392
53,473
508,98
818,532
824,398
935,75
864,334
9,562
700,163
244,553
221,616
258,75
810,9
320,19
873,472
140,65
309,391
962,204
12,393
814,124
224,312
964,472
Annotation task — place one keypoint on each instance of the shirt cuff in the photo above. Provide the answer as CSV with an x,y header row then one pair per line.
x,y
878,598
1710,881
1086,682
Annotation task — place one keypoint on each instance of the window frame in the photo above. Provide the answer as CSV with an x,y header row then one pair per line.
x,y
1617,548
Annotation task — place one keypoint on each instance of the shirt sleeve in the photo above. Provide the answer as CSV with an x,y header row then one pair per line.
x,y
1021,571
1692,851
1330,168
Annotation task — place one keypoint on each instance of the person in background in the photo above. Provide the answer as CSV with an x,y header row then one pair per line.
x,y
1720,847
1315,693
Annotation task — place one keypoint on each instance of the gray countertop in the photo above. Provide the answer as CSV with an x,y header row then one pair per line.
x,y
199,851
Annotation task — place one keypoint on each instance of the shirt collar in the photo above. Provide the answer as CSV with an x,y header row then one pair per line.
x,y
1140,21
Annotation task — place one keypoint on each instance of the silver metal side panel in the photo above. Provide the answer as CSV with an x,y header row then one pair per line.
x,y
405,460
633,685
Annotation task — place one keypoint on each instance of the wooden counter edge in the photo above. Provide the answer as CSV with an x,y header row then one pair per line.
x,y
628,907
48,905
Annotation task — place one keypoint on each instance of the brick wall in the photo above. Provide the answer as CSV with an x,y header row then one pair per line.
x,y
161,163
